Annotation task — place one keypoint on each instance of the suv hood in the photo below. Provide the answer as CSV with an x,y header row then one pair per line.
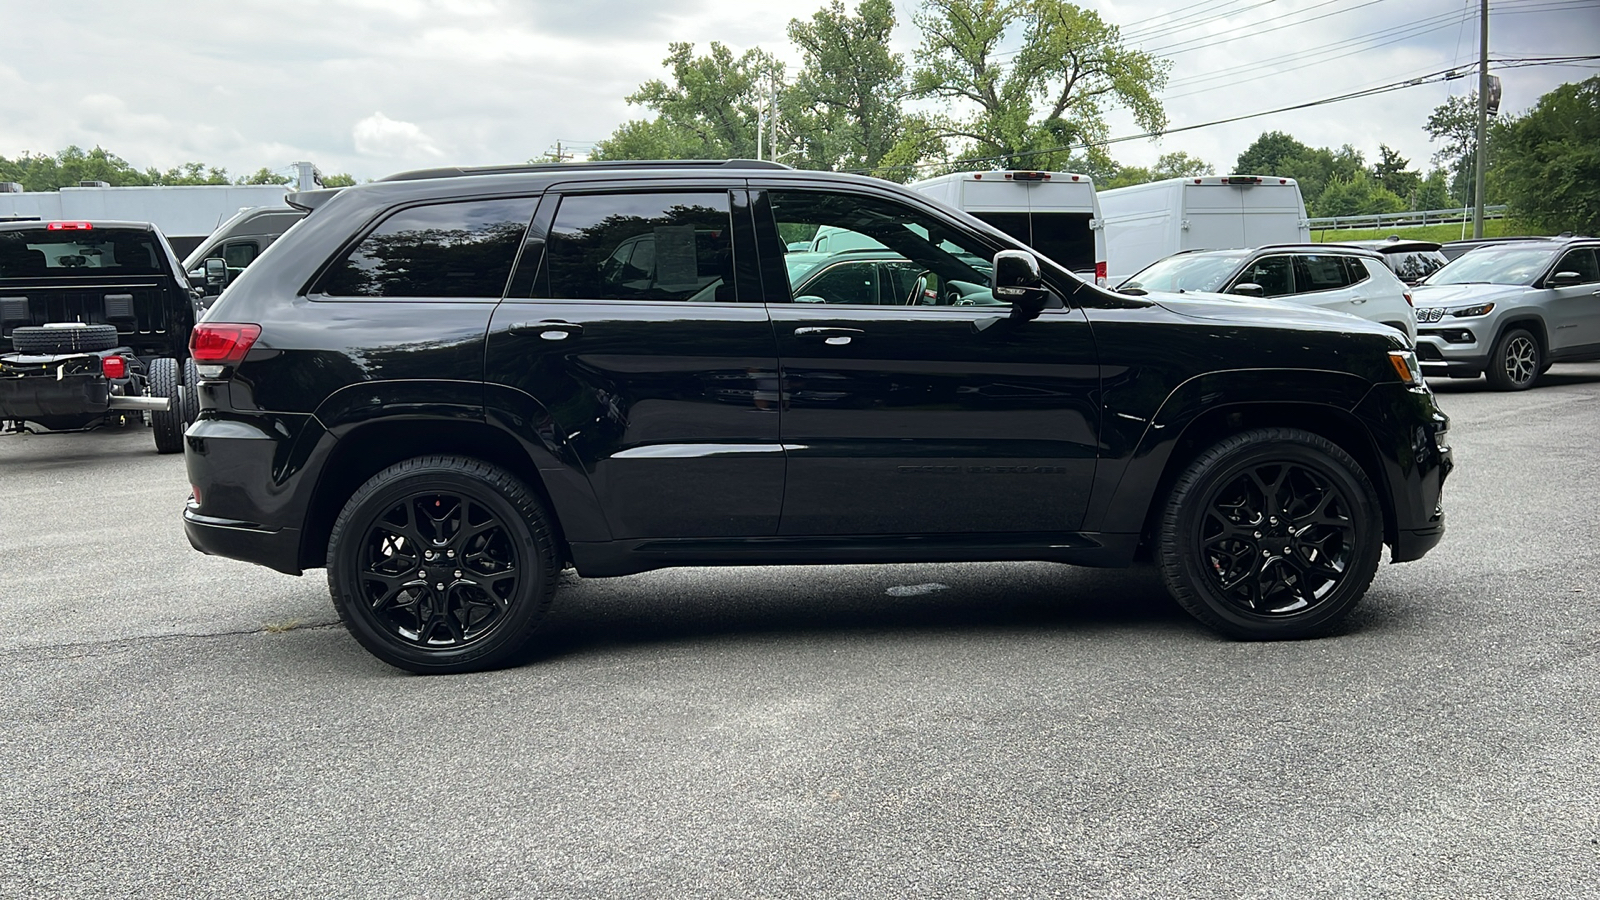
x,y
1249,310
1451,294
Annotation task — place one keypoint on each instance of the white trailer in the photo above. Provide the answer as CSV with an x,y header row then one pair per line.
x,y
1055,213
1147,222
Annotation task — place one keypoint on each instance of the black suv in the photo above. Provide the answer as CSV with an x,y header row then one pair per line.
x,y
448,385
95,320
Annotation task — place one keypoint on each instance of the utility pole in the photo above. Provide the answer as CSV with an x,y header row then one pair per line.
x,y
761,118
1483,117
772,104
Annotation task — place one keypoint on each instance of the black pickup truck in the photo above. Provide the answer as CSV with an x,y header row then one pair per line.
x,y
95,319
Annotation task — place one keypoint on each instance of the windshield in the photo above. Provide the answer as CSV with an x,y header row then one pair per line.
x,y
1496,265
42,253
1185,273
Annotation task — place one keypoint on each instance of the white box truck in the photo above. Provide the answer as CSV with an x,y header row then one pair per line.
x,y
1147,222
1055,213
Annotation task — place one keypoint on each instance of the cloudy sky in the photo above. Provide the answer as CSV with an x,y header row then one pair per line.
x,y
372,87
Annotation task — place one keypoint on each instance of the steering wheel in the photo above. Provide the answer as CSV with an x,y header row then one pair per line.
x,y
919,291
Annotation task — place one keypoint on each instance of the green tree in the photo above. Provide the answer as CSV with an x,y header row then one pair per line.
x,y
707,112
1453,124
1392,172
1434,192
1276,153
1169,165
343,179
1071,69
1547,161
844,107
68,167
188,173
264,175
1356,195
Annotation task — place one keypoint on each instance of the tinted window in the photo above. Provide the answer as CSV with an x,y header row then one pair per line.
x,y
1319,273
851,282
954,263
1414,265
1582,262
1185,272
1355,271
41,253
641,247
1272,273
239,254
444,250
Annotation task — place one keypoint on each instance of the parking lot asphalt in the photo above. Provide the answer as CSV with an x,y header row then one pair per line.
x,y
184,726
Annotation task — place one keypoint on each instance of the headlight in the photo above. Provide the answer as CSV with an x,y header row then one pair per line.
x,y
1405,365
1482,309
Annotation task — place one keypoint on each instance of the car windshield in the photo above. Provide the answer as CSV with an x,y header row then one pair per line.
x,y
1185,273
76,252
1496,265
800,263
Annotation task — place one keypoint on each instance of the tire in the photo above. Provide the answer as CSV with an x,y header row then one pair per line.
x,y
459,618
1516,361
63,339
1260,516
191,393
167,426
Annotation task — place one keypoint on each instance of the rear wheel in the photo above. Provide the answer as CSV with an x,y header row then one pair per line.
x,y
168,424
191,393
1273,533
1516,361
443,564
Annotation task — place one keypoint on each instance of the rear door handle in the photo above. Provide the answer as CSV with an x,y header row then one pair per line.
x,y
552,330
837,337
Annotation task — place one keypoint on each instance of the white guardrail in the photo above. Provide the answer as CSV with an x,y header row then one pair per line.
x,y
1415,217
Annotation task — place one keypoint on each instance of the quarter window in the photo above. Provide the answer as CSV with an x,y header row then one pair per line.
x,y
676,246
443,250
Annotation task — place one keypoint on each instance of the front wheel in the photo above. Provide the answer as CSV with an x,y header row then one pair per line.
x,y
1516,361
443,564
1271,534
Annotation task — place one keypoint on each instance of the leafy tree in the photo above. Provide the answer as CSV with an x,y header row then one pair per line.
x,y
844,106
707,112
343,179
1358,194
1392,173
68,167
189,173
1270,152
1548,160
264,175
1169,165
1454,125
1071,69
1276,153
1434,192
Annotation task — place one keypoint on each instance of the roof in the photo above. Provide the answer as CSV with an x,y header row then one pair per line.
x,y
1395,243
460,171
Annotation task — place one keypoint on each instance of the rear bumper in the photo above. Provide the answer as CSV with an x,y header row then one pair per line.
x,y
275,548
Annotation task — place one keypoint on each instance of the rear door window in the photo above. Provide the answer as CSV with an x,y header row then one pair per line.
x,y
453,250
641,246
1318,272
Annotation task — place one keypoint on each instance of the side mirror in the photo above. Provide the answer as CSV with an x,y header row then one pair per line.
x,y
1018,281
1563,279
216,275
1248,289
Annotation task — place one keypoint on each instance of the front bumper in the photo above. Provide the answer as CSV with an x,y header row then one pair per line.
x,y
1458,348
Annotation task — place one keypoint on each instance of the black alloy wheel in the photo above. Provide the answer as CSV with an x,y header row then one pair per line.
x,y
442,564
1516,362
1273,533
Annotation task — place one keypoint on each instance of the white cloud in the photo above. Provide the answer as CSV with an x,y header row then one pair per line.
x,y
380,136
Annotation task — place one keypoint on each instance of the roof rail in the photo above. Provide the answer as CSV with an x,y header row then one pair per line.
x,y
461,171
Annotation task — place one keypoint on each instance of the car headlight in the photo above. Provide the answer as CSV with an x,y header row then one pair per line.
x,y
1405,365
1482,309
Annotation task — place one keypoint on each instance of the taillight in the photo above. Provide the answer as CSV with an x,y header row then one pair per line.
x,y
221,343
1100,273
1409,302
114,366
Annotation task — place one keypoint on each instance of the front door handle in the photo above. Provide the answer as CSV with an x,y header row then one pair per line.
x,y
551,330
837,337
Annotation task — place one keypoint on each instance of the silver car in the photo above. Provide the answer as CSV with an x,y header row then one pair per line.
x,y
1511,310
1327,276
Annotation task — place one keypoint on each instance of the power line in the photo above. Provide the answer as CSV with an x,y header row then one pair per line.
x,y
1437,76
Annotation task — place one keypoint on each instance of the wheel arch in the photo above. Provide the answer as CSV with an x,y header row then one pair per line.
x,y
1533,323
368,449
1338,426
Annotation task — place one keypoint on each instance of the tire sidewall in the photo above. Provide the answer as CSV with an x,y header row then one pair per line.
x,y
1328,461
382,493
